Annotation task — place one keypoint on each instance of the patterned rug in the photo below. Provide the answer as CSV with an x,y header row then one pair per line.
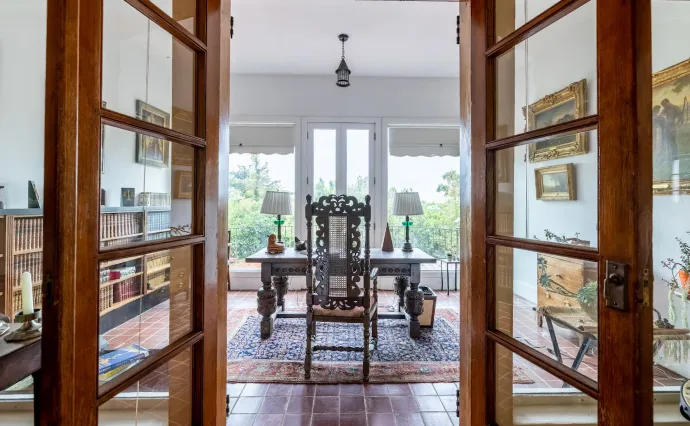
x,y
280,359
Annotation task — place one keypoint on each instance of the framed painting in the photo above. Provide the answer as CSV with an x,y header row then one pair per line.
x,y
152,151
555,183
183,185
561,107
671,130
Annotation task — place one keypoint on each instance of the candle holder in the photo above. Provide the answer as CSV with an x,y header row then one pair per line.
x,y
30,328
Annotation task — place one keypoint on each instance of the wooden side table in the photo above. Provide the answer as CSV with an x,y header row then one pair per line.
x,y
18,360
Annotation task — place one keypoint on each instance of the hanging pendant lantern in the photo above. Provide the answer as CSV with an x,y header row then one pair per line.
x,y
343,72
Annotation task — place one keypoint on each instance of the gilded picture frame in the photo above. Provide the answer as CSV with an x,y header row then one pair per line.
x,y
555,183
565,105
152,151
671,130
183,185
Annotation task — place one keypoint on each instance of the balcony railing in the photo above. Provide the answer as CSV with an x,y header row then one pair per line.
x,y
437,241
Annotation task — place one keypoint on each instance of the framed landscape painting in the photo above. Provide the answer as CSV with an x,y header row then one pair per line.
x,y
555,182
561,107
671,130
150,150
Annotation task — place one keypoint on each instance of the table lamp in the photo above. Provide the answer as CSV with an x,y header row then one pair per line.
x,y
278,203
407,204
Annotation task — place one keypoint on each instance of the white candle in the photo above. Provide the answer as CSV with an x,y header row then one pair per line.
x,y
27,294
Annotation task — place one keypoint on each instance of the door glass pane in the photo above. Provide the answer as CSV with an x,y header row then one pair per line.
x,y
357,141
251,175
526,394
549,303
182,11
671,203
22,113
145,304
550,78
512,14
324,162
147,188
552,200
147,73
163,397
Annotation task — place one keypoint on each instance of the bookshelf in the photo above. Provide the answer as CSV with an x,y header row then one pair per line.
x,y
122,281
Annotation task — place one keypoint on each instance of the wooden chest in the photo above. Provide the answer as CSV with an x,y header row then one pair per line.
x,y
566,276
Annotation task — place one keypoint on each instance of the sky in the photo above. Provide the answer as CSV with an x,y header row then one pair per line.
x,y
421,174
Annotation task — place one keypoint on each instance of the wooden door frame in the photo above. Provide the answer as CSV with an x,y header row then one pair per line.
x,y
624,78
69,383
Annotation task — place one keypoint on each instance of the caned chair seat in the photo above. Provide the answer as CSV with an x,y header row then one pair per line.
x,y
345,313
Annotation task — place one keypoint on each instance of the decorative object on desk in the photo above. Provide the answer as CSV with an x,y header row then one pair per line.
x,y
278,203
300,245
407,204
183,185
662,322
154,199
27,285
555,183
588,297
273,246
150,150
2,197
387,243
671,130
127,197
563,106
343,72
30,329
34,199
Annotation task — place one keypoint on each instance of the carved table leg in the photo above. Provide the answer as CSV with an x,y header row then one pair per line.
x,y
400,283
281,284
266,301
414,302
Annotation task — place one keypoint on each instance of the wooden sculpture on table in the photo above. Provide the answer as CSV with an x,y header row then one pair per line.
x,y
274,247
387,244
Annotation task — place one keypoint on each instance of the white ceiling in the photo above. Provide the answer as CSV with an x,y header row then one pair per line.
x,y
387,38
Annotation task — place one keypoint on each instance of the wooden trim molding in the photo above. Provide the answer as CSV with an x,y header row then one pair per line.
x,y
165,21
144,247
580,125
122,121
556,249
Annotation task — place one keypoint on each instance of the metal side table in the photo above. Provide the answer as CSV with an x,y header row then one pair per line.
x,y
447,262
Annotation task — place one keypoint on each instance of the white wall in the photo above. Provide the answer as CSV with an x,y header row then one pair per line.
x,y
318,96
22,98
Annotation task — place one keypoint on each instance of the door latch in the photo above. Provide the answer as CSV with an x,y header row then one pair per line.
x,y
616,286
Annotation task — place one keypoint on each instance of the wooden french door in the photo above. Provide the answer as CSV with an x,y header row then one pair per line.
x,y
136,227
556,201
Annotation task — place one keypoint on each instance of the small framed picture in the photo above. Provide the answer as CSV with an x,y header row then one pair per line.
x,y
183,185
127,197
555,182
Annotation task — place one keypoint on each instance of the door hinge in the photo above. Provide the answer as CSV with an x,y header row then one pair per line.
x,y
232,26
457,29
374,225
48,289
307,180
374,135
374,181
307,135
644,287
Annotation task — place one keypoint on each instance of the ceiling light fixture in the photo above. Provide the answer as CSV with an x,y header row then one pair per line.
x,y
343,72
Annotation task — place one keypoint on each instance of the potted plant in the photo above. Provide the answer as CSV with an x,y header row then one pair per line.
x,y
588,297
680,270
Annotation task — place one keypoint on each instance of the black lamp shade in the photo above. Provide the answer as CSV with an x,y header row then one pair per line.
x,y
343,74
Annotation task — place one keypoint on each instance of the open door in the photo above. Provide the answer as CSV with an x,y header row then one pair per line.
x,y
556,201
136,231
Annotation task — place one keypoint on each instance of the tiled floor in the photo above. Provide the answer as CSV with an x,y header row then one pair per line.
x,y
324,405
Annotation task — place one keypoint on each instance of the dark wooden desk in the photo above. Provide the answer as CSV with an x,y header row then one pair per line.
x,y
275,268
18,360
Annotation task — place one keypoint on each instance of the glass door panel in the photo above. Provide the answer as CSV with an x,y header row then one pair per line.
x,y
325,161
358,140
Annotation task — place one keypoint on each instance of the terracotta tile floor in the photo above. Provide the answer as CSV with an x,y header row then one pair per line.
x,y
153,333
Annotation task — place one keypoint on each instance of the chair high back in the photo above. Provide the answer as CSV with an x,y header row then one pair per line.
x,y
338,266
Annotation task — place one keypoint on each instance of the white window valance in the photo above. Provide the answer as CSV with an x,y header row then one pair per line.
x,y
262,138
424,141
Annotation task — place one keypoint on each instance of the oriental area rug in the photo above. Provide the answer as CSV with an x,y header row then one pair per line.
x,y
433,357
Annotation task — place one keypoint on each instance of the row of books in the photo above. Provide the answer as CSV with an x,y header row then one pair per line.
x,y
115,225
158,221
157,259
105,298
157,279
126,289
122,272
17,298
157,199
28,234
121,241
30,262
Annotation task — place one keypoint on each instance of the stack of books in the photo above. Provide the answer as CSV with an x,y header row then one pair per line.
x,y
112,364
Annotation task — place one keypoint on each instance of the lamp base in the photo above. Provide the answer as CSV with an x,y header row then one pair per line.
x,y
407,247
30,328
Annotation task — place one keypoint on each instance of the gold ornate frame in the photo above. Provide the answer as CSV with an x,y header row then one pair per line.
x,y
681,69
576,91
141,139
569,171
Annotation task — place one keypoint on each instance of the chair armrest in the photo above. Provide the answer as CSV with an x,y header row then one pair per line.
x,y
374,273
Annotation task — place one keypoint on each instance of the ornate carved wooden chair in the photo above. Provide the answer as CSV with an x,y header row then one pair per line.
x,y
333,274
